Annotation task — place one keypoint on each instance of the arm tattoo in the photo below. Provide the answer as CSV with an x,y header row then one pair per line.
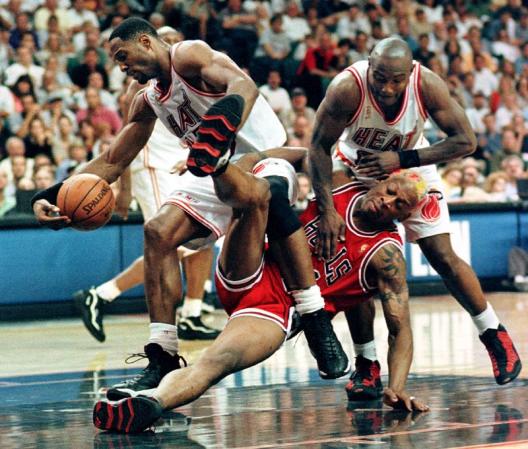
x,y
392,262
390,296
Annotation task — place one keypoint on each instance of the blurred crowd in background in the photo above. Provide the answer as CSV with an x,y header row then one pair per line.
x,y
61,96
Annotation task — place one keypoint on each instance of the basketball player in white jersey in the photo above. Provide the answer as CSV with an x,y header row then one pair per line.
x,y
212,106
375,111
151,181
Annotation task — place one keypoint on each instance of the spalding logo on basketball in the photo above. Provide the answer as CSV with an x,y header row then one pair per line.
x,y
431,209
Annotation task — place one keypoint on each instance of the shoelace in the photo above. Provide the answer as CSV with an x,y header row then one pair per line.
x,y
137,356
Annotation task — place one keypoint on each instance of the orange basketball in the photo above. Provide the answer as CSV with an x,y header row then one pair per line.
x,y
87,200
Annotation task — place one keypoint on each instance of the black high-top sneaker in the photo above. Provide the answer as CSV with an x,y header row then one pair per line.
x,y
332,361
91,306
160,363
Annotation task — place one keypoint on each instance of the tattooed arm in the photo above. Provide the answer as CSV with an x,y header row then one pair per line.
x,y
388,269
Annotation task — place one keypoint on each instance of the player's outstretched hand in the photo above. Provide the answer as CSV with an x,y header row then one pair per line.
x,y
377,164
49,215
331,229
403,401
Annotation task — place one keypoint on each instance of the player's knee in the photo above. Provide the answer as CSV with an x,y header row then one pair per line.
x,y
216,366
260,195
157,234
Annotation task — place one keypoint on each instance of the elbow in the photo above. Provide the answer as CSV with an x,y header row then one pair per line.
x,y
469,144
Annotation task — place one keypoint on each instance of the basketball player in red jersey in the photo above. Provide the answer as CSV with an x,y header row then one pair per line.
x,y
212,106
375,111
251,289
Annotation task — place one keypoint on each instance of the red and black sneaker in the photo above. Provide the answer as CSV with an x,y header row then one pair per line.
x,y
504,357
130,415
365,381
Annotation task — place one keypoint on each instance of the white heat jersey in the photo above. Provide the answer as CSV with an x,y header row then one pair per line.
x,y
161,152
182,107
369,128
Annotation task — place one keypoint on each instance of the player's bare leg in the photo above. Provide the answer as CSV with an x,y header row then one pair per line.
x,y
168,229
197,267
462,282
365,381
294,256
244,342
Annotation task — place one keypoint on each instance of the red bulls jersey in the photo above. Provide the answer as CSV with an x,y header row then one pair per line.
x,y
343,279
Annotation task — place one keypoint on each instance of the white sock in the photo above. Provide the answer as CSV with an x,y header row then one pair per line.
x,y
308,300
367,350
165,335
208,286
519,278
108,291
486,320
192,307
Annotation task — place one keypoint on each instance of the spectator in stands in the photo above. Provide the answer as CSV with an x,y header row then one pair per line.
x,y
96,81
99,116
496,187
404,31
502,47
240,33
513,166
20,121
42,160
485,79
77,15
361,51
63,137
508,109
20,168
24,66
317,69
7,202
490,141
38,140
273,48
472,181
477,113
301,134
510,145
521,29
294,24
77,155
276,95
299,109
304,191
422,54
352,22
54,109
22,25
88,136
44,177
54,46
522,92
50,8
452,181
420,26
79,74
468,88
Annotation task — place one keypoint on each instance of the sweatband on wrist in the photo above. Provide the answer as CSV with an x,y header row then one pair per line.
x,y
49,194
409,158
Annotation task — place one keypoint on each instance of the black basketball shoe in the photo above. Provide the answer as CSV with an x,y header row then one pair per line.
x,y
332,361
91,307
365,382
129,415
193,328
160,363
504,357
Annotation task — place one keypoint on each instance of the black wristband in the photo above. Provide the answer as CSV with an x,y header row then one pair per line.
x,y
409,158
49,194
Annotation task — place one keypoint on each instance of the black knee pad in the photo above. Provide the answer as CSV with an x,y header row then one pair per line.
x,y
282,219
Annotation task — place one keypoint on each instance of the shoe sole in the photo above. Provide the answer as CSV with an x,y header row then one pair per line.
x,y
131,415
511,377
327,376
116,394
86,319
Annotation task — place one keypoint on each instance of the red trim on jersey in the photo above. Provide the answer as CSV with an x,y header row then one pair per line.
x,y
367,258
380,111
354,72
263,314
240,284
342,156
418,90
189,210
146,98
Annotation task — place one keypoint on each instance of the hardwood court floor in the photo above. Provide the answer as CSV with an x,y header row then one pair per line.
x,y
51,372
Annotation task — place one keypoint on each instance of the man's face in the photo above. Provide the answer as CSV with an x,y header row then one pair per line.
x,y
513,168
299,102
274,80
18,165
388,79
135,58
304,187
92,98
43,179
389,200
